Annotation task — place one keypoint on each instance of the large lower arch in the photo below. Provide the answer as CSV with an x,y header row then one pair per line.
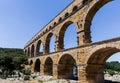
x,y
96,62
67,67
48,66
37,65
61,38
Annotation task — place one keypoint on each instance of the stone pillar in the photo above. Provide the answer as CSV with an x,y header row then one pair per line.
x,y
91,74
84,36
41,69
33,67
57,47
44,50
55,71
81,74
35,52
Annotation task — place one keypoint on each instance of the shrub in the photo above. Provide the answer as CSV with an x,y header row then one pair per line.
x,y
26,72
40,81
34,77
26,77
111,72
4,77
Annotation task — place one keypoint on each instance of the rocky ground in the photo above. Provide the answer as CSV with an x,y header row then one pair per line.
x,y
49,79
112,79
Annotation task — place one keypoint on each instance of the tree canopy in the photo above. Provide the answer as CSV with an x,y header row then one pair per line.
x,y
12,59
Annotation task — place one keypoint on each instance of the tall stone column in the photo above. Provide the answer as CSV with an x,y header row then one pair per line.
x,y
57,46
41,69
84,36
35,52
91,74
55,71
33,67
81,74
44,49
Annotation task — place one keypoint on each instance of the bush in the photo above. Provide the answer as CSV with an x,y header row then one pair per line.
x,y
40,81
34,77
26,77
111,72
4,77
26,72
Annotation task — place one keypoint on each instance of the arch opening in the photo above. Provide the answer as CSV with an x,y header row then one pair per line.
x,y
67,68
85,1
50,43
39,49
48,67
32,51
29,52
25,52
96,63
60,19
66,15
68,36
104,19
74,8
37,66
31,62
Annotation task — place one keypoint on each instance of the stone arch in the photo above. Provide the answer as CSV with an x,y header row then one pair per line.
x,y
94,8
101,55
48,66
96,61
47,42
84,1
66,66
90,13
38,47
28,52
31,62
37,65
50,27
55,23
60,19
74,8
66,14
62,33
32,50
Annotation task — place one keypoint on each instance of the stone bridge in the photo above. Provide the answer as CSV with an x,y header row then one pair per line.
x,y
84,62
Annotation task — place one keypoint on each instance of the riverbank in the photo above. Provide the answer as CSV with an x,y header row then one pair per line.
x,y
50,79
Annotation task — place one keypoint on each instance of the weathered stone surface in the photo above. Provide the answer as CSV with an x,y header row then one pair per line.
x,y
87,57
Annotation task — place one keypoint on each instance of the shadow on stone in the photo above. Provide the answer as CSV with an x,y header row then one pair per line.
x,y
108,81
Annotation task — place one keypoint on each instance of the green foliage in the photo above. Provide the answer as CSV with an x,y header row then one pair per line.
x,y
40,81
114,65
111,72
34,77
26,72
26,77
11,59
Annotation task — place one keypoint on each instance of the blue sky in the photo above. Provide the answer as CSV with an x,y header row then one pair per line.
x,y
20,20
